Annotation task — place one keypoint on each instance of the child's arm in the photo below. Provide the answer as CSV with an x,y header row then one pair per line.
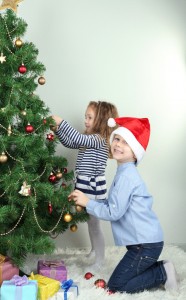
x,y
57,120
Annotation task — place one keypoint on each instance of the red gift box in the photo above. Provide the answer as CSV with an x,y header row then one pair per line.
x,y
7,269
53,269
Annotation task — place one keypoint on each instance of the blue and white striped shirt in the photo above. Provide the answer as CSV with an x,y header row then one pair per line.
x,y
91,160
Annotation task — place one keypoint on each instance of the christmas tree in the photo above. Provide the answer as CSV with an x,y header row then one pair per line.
x,y
34,182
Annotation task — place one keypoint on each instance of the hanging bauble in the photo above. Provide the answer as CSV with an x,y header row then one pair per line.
x,y
29,128
52,178
78,208
73,228
23,112
25,189
67,217
59,175
18,43
44,121
100,283
22,69
50,207
41,80
3,158
53,128
65,170
88,275
50,137
64,185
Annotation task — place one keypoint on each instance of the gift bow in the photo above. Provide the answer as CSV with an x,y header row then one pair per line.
x,y
18,280
54,263
66,284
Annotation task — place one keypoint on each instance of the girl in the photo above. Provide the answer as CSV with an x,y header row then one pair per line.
x,y
91,162
129,208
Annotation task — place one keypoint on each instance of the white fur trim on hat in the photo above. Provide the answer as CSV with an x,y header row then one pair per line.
x,y
111,122
136,147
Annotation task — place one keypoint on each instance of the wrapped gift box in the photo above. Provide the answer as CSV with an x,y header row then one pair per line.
x,y
7,269
47,287
11,291
68,291
53,269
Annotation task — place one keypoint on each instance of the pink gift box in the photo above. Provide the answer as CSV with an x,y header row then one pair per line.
x,y
7,269
52,269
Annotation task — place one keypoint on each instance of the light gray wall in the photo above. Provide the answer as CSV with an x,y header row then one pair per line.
x,y
132,53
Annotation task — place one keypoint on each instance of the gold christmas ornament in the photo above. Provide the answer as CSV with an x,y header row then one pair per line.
x,y
53,128
2,58
18,43
23,112
3,158
59,175
67,217
73,227
79,208
12,4
41,80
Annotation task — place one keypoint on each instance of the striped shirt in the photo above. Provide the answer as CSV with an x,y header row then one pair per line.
x,y
91,160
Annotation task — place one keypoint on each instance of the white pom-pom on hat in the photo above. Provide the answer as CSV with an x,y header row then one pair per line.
x,y
111,122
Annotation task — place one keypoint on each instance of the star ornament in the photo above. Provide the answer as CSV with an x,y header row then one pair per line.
x,y
12,4
2,58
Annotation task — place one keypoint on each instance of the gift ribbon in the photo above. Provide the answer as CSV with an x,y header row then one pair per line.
x,y
53,263
66,285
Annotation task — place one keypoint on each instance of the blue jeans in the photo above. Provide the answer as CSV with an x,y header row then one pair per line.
x,y
138,269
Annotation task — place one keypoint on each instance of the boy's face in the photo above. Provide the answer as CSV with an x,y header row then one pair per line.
x,y
121,151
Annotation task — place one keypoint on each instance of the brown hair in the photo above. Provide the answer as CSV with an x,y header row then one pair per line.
x,y
103,111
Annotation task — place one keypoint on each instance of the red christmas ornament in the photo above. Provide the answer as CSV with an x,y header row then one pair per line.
x,y
52,178
100,283
49,207
44,121
64,185
64,170
29,128
88,275
50,137
22,69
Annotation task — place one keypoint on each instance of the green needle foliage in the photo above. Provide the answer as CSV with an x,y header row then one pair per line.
x,y
34,182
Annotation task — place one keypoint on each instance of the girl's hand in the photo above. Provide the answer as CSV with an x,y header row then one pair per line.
x,y
79,198
57,120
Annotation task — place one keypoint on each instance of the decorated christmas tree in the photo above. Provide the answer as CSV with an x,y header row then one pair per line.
x,y
34,182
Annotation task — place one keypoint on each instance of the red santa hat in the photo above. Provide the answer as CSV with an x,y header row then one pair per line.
x,y
135,131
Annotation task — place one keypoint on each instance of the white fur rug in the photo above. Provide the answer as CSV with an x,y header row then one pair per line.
x,y
76,263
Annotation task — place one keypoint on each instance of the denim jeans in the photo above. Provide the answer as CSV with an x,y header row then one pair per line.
x,y
139,269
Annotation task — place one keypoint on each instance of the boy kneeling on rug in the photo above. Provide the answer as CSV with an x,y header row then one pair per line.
x,y
129,208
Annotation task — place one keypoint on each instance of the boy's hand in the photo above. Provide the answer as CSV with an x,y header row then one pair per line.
x,y
79,198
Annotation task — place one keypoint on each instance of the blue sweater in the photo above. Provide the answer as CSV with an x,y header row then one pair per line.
x,y
129,208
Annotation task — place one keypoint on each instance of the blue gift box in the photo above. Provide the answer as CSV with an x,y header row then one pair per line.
x,y
10,291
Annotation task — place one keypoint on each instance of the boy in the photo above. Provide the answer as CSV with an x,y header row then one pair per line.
x,y
129,208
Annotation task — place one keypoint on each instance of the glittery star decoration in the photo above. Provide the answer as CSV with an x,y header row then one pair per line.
x,y
2,58
12,4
